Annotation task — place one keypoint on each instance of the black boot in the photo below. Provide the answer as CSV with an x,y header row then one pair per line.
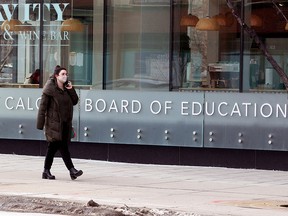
x,y
75,173
47,175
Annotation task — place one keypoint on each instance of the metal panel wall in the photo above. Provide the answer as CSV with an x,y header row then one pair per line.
x,y
190,119
246,121
18,113
150,118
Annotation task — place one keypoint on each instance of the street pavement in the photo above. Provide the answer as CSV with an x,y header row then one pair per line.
x,y
208,191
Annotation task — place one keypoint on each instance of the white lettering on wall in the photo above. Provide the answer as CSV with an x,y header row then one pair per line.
x,y
194,108
28,105
246,106
124,106
135,104
212,109
37,102
88,105
20,103
167,106
157,108
103,105
6,103
184,107
284,112
255,110
270,110
113,106
219,109
236,110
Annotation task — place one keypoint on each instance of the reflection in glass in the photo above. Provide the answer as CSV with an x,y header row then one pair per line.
x,y
138,45
206,56
261,74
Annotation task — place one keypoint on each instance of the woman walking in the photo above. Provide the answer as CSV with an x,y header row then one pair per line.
x,y
55,116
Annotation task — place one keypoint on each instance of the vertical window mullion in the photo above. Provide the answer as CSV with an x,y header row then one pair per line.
x,y
41,59
171,47
105,45
241,48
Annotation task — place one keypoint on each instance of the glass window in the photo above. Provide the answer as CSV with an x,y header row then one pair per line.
x,y
259,73
206,57
138,34
69,43
129,44
35,37
19,49
206,46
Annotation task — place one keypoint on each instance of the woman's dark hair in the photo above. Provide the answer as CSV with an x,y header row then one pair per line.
x,y
56,67
35,77
57,70
37,71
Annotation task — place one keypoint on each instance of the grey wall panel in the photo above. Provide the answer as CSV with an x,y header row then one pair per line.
x,y
18,113
150,118
193,119
246,121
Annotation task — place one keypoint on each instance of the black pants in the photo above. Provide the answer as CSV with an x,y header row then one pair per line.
x,y
62,146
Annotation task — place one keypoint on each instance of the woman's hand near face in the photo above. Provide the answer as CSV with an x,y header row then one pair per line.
x,y
69,85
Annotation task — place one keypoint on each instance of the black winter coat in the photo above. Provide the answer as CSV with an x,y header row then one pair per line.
x,y
49,114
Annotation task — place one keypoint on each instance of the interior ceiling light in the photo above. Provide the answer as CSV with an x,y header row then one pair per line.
x,y
229,19
72,25
255,21
221,19
13,25
207,24
189,20
27,26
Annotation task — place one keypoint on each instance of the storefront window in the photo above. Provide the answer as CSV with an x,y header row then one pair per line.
x,y
138,34
19,51
38,41
143,45
205,55
259,73
72,46
210,57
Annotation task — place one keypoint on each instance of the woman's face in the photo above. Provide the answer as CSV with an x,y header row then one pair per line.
x,y
62,77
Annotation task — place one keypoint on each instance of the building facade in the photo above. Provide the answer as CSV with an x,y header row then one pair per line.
x,y
189,82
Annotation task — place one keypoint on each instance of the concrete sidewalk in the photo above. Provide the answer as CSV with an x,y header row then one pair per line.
x,y
200,190
2,213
